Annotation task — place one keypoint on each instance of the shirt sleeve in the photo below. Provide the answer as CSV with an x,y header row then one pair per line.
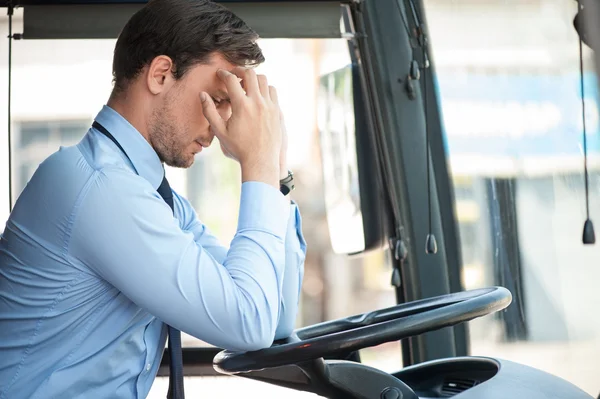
x,y
127,234
295,255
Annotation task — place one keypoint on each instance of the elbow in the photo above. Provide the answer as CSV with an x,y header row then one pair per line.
x,y
284,331
259,343
256,330
257,334
286,323
245,335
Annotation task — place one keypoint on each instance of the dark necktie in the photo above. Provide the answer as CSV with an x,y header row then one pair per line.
x,y
175,353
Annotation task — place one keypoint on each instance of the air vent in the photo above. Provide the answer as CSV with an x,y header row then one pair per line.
x,y
453,386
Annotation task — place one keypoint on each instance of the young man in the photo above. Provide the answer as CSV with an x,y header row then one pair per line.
x,y
101,262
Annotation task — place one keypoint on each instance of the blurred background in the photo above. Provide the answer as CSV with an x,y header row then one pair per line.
x,y
508,79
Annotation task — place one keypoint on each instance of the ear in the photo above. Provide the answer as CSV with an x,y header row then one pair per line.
x,y
159,76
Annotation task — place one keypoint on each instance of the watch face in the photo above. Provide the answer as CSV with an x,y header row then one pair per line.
x,y
287,183
285,190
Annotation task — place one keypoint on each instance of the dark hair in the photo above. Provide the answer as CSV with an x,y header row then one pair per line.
x,y
187,31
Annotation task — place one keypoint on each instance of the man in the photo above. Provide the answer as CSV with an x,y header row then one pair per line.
x,y
101,262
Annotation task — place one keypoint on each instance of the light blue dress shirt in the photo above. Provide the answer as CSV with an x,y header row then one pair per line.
x,y
93,263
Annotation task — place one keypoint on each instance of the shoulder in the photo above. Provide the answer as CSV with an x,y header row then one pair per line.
x,y
99,152
117,199
113,185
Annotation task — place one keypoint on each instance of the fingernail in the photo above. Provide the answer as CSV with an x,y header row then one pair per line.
x,y
203,96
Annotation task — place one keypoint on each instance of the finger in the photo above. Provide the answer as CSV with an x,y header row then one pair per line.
x,y
234,88
273,95
212,115
249,80
263,85
226,152
223,150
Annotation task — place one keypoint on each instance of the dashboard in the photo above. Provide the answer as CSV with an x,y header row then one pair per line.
x,y
485,378
469,377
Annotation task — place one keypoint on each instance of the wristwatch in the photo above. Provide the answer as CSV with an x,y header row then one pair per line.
x,y
286,185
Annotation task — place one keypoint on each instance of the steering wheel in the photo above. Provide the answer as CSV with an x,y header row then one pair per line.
x,y
368,329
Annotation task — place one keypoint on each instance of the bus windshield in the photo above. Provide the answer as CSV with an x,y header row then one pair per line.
x,y
509,87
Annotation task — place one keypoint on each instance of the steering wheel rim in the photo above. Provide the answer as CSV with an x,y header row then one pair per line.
x,y
368,329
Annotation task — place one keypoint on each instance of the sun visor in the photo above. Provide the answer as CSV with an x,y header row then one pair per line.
x,y
286,19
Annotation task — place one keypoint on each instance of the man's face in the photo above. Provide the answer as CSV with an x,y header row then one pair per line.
x,y
178,129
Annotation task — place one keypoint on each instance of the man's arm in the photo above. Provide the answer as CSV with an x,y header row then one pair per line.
x,y
295,245
126,233
295,254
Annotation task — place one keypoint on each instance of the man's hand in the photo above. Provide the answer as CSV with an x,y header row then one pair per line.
x,y
252,135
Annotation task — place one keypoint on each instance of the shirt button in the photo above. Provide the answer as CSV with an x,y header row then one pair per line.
x,y
148,367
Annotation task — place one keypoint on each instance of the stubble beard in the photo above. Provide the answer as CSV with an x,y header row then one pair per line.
x,y
164,134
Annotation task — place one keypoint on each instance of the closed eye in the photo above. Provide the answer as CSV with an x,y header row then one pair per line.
x,y
221,102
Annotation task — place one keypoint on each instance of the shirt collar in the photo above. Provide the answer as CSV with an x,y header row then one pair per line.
x,y
145,161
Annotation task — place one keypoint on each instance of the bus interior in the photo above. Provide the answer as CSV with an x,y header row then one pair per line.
x,y
447,157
